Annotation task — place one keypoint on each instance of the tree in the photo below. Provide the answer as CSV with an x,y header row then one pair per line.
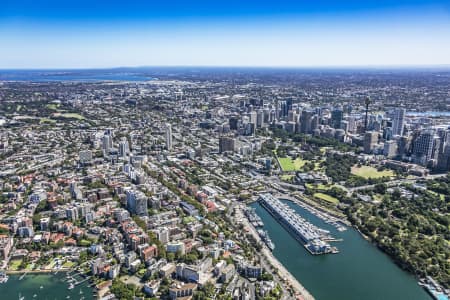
x,y
380,188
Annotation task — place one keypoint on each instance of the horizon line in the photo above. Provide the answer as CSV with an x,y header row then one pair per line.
x,y
381,66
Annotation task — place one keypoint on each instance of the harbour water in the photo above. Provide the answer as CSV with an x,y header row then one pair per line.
x,y
72,75
54,287
359,271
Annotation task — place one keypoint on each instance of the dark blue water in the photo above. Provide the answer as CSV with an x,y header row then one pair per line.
x,y
54,287
359,272
71,75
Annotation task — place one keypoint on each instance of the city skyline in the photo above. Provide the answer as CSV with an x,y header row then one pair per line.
x,y
49,34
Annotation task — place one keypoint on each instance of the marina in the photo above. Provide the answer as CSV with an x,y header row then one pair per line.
x,y
315,239
45,286
253,218
434,289
3,277
266,239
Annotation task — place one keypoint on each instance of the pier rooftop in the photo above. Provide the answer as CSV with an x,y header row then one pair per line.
x,y
314,238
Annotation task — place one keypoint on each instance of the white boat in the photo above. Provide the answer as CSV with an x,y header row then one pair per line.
x,y
3,277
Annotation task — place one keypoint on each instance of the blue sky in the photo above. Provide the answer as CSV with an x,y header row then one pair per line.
x,y
98,34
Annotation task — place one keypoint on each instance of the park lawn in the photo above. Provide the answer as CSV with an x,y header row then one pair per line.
x,y
14,264
68,264
319,186
52,106
85,243
46,120
287,177
187,220
289,165
326,197
371,172
51,265
72,116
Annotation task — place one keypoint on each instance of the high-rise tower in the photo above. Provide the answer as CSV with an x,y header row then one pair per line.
x,y
398,121
367,103
168,136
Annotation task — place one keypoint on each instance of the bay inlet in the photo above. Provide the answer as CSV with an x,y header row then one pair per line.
x,y
359,271
43,286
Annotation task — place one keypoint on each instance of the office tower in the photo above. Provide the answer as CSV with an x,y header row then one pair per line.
x,y
254,118
168,136
107,143
266,116
444,150
351,124
336,117
234,123
272,116
292,116
283,109
260,118
370,141
305,121
404,145
124,148
289,105
443,163
398,121
136,203
387,133
226,143
426,147
314,123
390,149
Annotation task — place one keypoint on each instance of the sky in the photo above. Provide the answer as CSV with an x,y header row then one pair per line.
x,y
280,33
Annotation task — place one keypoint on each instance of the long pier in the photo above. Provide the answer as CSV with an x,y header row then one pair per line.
x,y
313,238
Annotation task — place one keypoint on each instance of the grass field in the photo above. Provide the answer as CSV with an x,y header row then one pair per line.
x,y
52,106
72,116
371,172
320,186
187,220
46,120
326,197
289,165
68,264
14,264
